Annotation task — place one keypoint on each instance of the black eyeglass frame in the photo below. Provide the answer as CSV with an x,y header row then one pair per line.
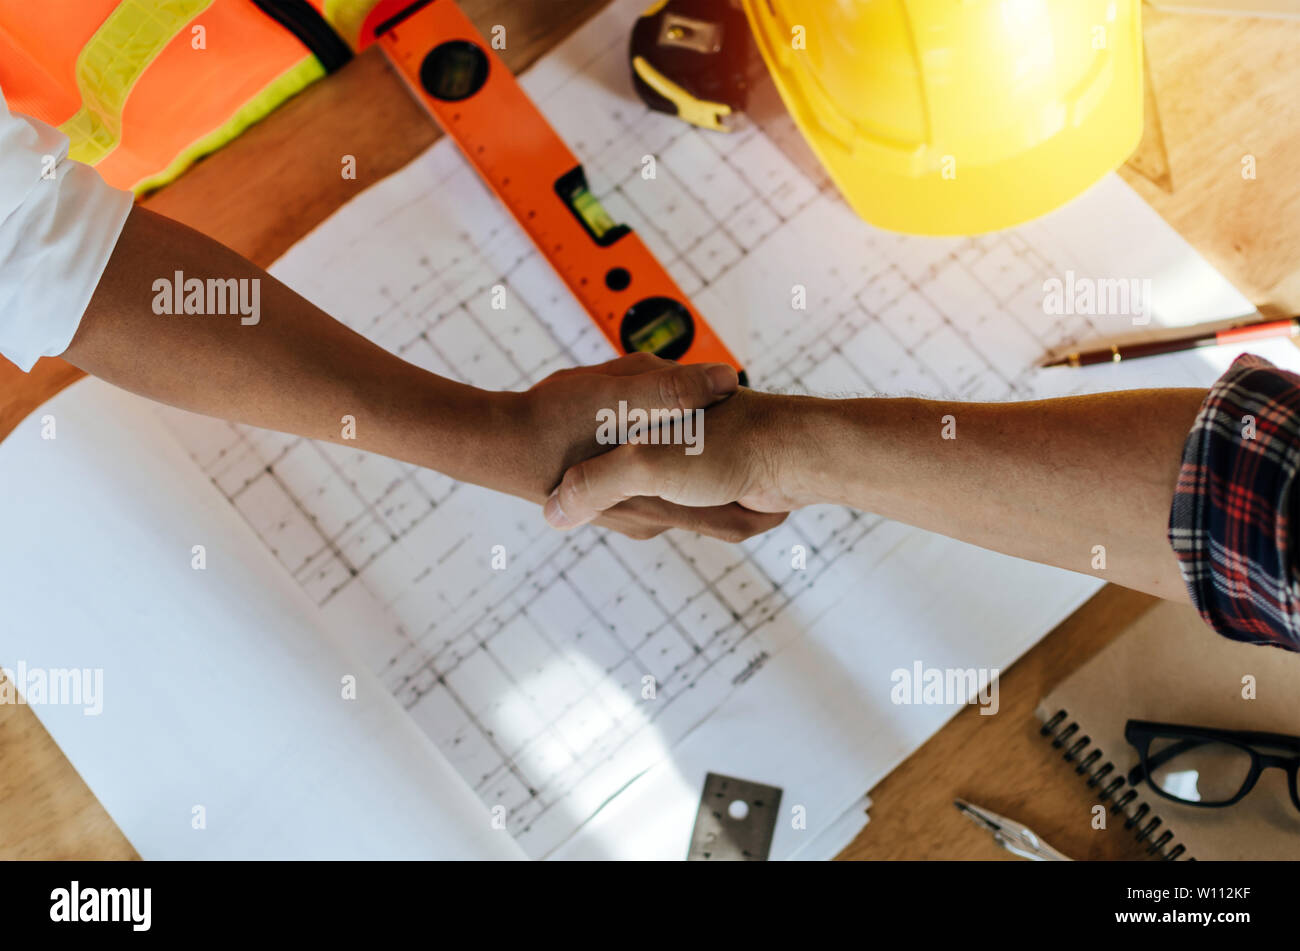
x,y
1140,733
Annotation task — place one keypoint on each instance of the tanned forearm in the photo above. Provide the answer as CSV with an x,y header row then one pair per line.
x,y
295,370
1047,480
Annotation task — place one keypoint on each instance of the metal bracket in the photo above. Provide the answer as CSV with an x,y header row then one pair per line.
x,y
736,821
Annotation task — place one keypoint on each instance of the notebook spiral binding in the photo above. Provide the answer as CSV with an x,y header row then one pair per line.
x,y
1121,799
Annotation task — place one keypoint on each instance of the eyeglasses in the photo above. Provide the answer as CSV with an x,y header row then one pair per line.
x,y
1200,766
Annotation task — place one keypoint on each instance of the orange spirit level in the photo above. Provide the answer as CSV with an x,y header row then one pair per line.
x,y
453,71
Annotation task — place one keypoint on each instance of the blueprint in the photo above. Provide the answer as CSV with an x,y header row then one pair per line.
x,y
532,679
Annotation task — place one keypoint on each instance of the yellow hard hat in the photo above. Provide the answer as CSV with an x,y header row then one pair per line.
x,y
958,116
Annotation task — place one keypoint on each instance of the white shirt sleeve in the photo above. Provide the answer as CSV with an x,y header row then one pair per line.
x,y
59,222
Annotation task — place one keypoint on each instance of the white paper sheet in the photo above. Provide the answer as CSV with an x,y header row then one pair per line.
x,y
222,729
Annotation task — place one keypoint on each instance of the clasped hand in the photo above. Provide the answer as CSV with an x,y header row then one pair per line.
x,y
740,468
621,489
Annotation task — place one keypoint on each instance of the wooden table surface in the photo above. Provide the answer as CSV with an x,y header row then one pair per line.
x,y
1224,88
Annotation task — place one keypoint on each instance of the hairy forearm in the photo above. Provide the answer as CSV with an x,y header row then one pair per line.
x,y
1049,481
295,370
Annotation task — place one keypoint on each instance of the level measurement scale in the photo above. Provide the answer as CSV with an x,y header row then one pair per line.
x,y
476,100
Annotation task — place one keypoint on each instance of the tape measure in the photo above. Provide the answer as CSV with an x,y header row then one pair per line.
x,y
690,59
453,71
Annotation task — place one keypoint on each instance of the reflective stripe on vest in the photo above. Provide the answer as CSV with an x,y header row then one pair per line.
x,y
110,65
143,88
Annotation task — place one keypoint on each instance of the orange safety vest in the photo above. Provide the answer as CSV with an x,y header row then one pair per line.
x,y
144,88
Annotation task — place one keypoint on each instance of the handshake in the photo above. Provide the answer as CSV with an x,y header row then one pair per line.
x,y
1055,481
631,438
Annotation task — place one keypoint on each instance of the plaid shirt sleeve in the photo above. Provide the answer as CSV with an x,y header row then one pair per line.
x,y
1233,517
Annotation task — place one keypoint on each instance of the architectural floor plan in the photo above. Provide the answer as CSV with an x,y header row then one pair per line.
x,y
532,679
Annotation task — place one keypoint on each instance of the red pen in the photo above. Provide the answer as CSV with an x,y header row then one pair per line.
x,y
1238,334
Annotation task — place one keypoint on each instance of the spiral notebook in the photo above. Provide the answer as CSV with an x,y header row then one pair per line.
x,y
1170,667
